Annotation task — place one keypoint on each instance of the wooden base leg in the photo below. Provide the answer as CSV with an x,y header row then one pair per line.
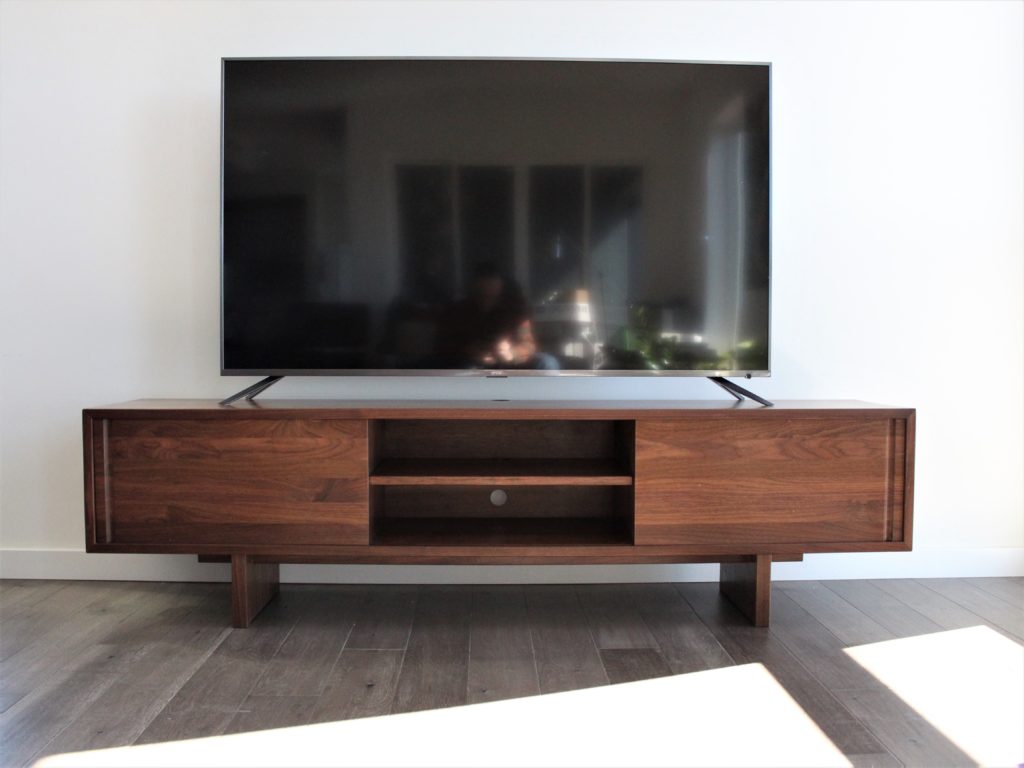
x,y
748,586
253,585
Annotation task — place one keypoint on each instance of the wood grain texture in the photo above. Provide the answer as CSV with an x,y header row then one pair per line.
x,y
498,439
484,409
253,585
384,620
614,618
189,481
501,664
746,644
408,483
747,482
627,665
749,587
563,646
362,684
97,663
208,701
470,471
437,659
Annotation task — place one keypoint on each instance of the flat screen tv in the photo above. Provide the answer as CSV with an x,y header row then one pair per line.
x,y
495,217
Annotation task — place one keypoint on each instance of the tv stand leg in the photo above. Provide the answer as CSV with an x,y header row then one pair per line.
x,y
250,393
253,585
748,586
739,392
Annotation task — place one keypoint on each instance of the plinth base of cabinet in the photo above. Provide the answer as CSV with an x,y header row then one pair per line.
x,y
748,586
745,581
253,585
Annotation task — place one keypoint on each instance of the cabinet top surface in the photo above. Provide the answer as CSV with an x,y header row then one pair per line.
x,y
376,409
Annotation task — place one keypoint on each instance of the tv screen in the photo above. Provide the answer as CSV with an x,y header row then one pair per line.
x,y
495,217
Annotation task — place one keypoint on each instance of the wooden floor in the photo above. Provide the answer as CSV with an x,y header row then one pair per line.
x,y
98,664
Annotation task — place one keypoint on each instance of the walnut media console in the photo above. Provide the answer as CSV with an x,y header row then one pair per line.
x,y
269,482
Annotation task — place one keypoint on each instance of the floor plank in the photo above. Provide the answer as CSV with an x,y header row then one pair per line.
x,y
501,662
261,713
100,621
886,610
686,644
362,684
436,665
40,716
843,619
933,606
208,701
385,619
822,652
302,664
747,644
104,664
626,665
982,602
16,596
1009,589
567,658
151,677
613,618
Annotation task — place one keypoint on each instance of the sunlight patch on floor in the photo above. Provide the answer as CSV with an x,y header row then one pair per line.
x,y
967,683
724,717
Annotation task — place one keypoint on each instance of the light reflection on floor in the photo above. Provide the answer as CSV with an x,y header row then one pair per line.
x,y
967,683
725,717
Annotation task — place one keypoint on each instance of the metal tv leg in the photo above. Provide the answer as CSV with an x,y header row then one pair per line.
x,y
737,391
250,392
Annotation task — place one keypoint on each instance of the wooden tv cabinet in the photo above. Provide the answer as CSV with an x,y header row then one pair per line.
x,y
524,482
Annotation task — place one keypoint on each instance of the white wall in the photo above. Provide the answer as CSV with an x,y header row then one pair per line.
x,y
897,234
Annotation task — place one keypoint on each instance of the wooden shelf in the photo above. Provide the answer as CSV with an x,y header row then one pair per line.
x,y
502,532
434,472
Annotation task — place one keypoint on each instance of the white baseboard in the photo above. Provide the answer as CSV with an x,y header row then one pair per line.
x,y
928,563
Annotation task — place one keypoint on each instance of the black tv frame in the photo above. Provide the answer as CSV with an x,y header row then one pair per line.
x,y
273,375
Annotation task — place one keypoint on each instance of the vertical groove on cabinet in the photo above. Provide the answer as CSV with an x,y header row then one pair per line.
x,y
89,456
107,516
898,474
890,479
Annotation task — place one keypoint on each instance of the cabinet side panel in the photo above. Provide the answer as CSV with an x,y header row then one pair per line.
x,y
764,480
237,482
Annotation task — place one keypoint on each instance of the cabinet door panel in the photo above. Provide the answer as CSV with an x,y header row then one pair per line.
x,y
233,482
769,481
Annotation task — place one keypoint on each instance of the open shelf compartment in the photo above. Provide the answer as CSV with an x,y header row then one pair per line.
x,y
502,483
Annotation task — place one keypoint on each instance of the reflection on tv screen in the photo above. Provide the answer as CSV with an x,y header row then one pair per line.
x,y
525,216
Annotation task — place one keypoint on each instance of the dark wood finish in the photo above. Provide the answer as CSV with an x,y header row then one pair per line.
x,y
501,532
802,481
749,587
435,472
553,437
253,585
537,410
791,480
597,483
190,481
545,501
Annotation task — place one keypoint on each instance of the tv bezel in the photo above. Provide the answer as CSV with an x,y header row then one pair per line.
x,y
489,372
